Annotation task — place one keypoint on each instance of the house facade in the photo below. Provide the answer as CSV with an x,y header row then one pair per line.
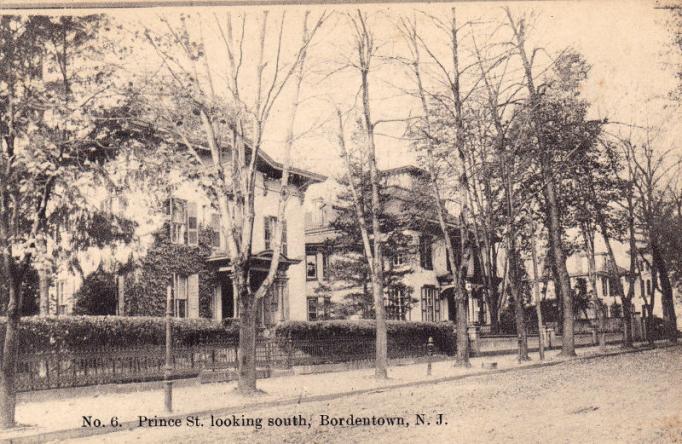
x,y
186,224
645,291
424,291
285,300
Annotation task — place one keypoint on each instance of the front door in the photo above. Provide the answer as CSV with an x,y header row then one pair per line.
x,y
227,296
452,306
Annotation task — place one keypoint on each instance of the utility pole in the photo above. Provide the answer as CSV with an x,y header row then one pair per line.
x,y
168,384
536,294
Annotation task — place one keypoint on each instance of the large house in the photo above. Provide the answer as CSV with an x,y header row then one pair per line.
x,y
425,291
282,302
185,214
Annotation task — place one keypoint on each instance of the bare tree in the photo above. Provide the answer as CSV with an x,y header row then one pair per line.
x,y
234,159
650,171
518,28
453,101
365,47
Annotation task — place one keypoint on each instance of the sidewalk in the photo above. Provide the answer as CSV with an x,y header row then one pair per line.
x,y
46,419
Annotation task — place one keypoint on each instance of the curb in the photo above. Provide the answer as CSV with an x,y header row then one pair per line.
x,y
131,425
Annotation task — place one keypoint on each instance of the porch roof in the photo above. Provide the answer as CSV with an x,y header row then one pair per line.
x,y
259,261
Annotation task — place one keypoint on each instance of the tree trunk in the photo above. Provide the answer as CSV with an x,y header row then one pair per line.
x,y
462,358
588,244
43,280
365,50
667,302
43,290
613,271
247,332
462,340
520,321
494,311
554,228
536,294
627,325
627,340
568,342
519,315
8,391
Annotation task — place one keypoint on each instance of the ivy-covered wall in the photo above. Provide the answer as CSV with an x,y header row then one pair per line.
x,y
145,293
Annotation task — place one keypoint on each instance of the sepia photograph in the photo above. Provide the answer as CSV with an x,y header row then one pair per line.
x,y
343,221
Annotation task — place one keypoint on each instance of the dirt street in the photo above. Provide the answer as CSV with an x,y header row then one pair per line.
x,y
633,398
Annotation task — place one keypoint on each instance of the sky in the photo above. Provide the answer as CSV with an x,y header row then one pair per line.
x,y
626,43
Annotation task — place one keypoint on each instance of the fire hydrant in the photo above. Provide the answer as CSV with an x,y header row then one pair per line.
x,y
429,353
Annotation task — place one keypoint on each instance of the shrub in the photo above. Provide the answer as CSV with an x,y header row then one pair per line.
x,y
97,295
399,332
82,333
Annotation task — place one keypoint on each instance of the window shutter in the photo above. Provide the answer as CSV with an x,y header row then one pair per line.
x,y
193,296
192,224
267,235
215,228
284,238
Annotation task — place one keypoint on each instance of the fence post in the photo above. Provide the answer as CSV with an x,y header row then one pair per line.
x,y
168,384
290,350
429,353
474,339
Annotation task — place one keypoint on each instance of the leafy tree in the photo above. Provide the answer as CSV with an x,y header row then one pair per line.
x,y
97,294
350,270
53,142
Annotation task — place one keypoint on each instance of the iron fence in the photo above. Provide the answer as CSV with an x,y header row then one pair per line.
x,y
106,365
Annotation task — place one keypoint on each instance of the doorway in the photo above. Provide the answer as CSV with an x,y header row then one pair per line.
x,y
226,296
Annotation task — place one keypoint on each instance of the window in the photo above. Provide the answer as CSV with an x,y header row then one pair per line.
x,y
61,305
312,309
277,292
215,230
326,306
183,222
270,225
180,295
425,253
284,238
311,266
399,259
613,286
325,266
430,304
397,305
319,310
192,224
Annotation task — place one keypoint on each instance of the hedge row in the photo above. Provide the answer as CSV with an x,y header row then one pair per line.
x,y
398,331
90,332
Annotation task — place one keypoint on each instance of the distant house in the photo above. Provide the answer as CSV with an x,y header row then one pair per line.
x,y
426,291
607,292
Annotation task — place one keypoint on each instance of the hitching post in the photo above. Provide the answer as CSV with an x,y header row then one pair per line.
x,y
168,384
429,352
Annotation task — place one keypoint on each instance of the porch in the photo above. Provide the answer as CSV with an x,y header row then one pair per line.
x,y
273,308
